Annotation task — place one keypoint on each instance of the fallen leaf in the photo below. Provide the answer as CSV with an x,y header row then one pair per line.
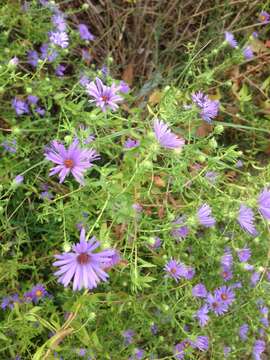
x,y
159,182
128,74
204,130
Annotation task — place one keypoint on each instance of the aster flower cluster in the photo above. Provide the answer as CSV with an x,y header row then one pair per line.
x,y
37,293
246,51
186,346
208,108
23,107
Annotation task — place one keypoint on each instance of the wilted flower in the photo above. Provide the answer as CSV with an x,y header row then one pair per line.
x,y
264,203
248,53
204,216
227,259
246,220
156,243
86,55
165,137
229,38
209,108
74,160
226,351
85,34
104,96
130,143
83,265
59,38
211,176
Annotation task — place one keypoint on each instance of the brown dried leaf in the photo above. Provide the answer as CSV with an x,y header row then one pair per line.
x,y
159,182
155,97
161,212
128,74
204,130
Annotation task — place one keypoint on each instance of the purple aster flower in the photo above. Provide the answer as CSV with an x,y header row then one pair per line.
x,y
137,207
248,267
20,106
85,34
165,137
189,272
115,260
211,176
83,265
229,38
216,304
86,55
181,348
82,352
104,96
47,53
40,111
199,290
59,21
226,273
255,277
227,259
32,99
246,220
243,331
38,292
204,216
104,70
74,160
32,58
154,329
264,17
60,70
237,285
226,351
264,310
209,108
239,164
258,349
14,61
130,144
202,315
225,294
175,270
123,87
10,145
139,354
128,336
255,34
244,254
248,53
9,301
19,179
264,203
59,38
202,343
84,81
264,321
156,244
180,233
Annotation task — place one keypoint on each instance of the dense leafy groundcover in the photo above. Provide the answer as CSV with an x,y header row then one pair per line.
x,y
129,231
